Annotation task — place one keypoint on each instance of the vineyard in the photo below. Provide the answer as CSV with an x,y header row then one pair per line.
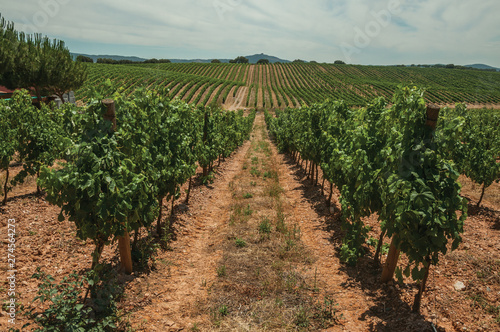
x,y
277,86
365,219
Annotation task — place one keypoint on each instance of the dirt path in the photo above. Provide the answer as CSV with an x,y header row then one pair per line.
x,y
237,102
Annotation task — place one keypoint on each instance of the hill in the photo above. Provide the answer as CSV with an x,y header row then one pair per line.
x,y
272,59
251,58
294,84
482,67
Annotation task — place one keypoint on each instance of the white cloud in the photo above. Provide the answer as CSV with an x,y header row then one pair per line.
x,y
425,31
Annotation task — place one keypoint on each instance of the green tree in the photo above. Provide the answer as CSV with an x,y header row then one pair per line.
x,y
70,76
240,59
83,58
215,61
263,62
339,62
38,63
107,61
8,42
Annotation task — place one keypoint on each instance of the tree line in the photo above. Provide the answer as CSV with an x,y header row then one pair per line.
x,y
37,63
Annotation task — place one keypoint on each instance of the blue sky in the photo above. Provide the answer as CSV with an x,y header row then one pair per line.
x,y
356,31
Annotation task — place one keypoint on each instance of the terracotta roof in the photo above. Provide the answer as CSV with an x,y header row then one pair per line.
x,y
5,90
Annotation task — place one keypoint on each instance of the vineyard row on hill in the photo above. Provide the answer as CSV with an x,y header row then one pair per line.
x,y
277,86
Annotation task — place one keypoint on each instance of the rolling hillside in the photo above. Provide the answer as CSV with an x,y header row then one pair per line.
x,y
293,85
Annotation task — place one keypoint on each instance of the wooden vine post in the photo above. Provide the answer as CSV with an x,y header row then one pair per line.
x,y
392,257
123,241
432,118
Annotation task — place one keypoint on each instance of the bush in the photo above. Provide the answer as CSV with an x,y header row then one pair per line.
x,y
67,311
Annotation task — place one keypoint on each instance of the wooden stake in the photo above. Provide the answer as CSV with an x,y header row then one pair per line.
x,y
5,186
110,115
391,262
125,252
123,241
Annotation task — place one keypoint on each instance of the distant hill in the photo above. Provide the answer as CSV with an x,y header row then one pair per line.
x,y
482,66
272,59
251,58
113,57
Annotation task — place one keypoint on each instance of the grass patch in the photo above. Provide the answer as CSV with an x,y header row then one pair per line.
x,y
247,196
221,271
255,172
274,190
248,210
240,243
265,226
271,175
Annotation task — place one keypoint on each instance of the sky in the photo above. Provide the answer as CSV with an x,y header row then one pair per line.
x,y
370,32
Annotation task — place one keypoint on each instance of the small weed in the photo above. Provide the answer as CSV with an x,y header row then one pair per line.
x,y
271,175
60,305
302,317
289,244
247,196
223,311
264,147
195,327
238,210
221,271
327,313
240,243
31,233
255,172
248,210
265,226
255,160
245,166
280,224
253,184
274,190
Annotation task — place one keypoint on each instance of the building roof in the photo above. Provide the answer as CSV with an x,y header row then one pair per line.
x,y
5,90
